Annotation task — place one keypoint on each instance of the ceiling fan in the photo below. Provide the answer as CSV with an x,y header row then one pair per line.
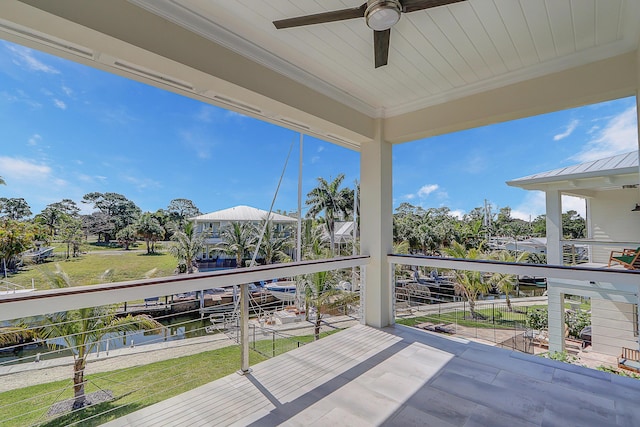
x,y
380,16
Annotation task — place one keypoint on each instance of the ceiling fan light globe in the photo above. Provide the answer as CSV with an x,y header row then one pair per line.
x,y
382,14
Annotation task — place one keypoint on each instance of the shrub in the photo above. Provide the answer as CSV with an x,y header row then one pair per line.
x,y
538,319
577,321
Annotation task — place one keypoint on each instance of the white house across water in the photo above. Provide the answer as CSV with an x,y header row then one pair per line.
x,y
212,224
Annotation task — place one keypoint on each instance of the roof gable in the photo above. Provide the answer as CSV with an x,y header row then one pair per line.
x,y
242,214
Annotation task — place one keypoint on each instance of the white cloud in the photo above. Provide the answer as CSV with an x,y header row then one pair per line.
x,y
34,140
67,90
457,213
425,190
23,170
534,204
20,96
568,131
578,204
619,135
60,104
24,57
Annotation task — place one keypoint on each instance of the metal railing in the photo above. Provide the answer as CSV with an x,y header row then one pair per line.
x,y
436,310
114,356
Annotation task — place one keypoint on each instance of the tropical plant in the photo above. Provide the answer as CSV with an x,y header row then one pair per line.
x,y
503,282
70,232
2,181
327,197
149,228
53,214
126,236
538,319
319,291
15,208
83,329
469,284
10,335
15,238
273,246
180,210
119,211
576,321
186,246
238,239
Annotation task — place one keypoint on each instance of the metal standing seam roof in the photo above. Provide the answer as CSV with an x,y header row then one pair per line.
x,y
615,165
242,213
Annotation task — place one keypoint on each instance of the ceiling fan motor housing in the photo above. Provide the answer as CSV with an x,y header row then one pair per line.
x,y
382,14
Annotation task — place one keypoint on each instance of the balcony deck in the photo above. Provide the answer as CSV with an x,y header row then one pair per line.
x,y
403,376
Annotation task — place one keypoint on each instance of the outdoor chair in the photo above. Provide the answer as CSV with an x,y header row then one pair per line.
x,y
629,258
629,360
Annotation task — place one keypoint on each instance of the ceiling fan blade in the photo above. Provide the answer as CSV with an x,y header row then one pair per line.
x,y
381,47
414,5
320,18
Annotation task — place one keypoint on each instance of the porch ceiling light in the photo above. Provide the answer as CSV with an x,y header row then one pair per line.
x,y
382,14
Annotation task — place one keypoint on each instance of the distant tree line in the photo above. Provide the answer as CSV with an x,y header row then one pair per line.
x,y
117,219
429,231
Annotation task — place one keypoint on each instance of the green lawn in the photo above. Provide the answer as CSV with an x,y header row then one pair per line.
x,y
493,318
116,265
134,388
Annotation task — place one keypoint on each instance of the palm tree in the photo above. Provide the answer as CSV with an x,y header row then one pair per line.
x,y
82,331
187,245
503,282
273,247
238,239
319,291
2,181
469,284
327,197
149,228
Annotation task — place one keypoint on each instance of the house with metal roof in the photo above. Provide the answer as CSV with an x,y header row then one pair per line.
x,y
212,224
610,189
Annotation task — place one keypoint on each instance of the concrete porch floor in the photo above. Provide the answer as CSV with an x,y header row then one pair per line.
x,y
403,376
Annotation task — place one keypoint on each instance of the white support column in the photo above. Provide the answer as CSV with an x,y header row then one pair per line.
x,y
554,227
554,257
376,233
556,320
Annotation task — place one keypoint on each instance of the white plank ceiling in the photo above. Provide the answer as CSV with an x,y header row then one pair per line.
x,y
435,55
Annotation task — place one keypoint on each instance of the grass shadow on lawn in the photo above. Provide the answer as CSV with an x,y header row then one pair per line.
x,y
95,415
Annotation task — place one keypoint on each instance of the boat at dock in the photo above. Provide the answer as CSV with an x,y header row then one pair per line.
x,y
284,290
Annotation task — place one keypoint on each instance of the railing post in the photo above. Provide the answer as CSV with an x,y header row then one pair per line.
x,y
244,329
363,293
393,292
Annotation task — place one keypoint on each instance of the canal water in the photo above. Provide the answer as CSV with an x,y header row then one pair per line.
x,y
176,328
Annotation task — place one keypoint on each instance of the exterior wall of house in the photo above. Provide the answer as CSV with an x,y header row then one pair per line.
x,y
212,231
613,326
612,220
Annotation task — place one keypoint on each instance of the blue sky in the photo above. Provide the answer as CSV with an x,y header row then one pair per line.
x,y
68,130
